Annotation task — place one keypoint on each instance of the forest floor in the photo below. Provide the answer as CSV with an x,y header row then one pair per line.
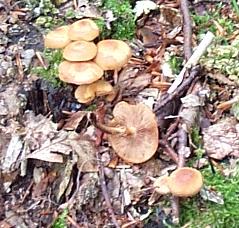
x,y
60,167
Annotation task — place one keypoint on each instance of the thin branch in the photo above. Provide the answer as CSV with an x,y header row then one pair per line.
x,y
187,29
105,194
169,150
180,90
193,60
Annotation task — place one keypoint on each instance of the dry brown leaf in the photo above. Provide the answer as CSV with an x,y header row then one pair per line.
x,y
41,187
85,151
131,81
74,120
221,139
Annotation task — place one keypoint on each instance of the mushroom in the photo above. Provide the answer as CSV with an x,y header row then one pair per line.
x,y
87,93
79,73
102,88
57,38
185,182
84,94
84,29
80,51
134,132
112,55
161,185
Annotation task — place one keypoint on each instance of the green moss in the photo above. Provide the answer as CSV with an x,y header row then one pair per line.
x,y
60,222
50,74
175,63
124,26
47,13
207,22
202,213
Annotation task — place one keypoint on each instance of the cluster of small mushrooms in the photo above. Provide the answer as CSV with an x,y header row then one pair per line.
x,y
85,61
133,132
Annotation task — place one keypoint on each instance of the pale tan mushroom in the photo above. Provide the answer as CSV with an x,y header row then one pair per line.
x,y
80,51
57,38
84,29
112,54
135,136
185,182
103,88
87,93
161,185
79,73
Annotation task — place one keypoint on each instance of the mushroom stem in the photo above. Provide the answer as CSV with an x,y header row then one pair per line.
x,y
111,130
115,76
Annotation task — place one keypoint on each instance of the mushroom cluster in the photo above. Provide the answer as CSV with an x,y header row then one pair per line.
x,y
85,61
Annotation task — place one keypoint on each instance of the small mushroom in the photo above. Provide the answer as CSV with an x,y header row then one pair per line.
x,y
112,54
103,88
134,133
185,182
80,51
84,29
57,38
79,73
87,93
161,185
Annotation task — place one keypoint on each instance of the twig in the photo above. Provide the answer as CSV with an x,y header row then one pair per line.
x,y
179,90
193,60
169,150
182,143
105,193
19,66
73,222
187,29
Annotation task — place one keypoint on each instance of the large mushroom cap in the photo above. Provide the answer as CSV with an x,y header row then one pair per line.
x,y
84,29
185,182
112,54
79,73
142,143
80,51
57,38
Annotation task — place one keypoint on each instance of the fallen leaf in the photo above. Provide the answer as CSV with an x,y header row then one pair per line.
x,y
221,139
131,81
74,120
211,195
85,151
12,153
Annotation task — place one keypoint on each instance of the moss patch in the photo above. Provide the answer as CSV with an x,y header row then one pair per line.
x,y
201,213
50,74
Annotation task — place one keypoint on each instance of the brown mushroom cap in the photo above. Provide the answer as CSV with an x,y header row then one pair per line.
x,y
80,51
57,38
85,93
79,73
161,185
142,142
185,182
112,54
84,29
103,88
